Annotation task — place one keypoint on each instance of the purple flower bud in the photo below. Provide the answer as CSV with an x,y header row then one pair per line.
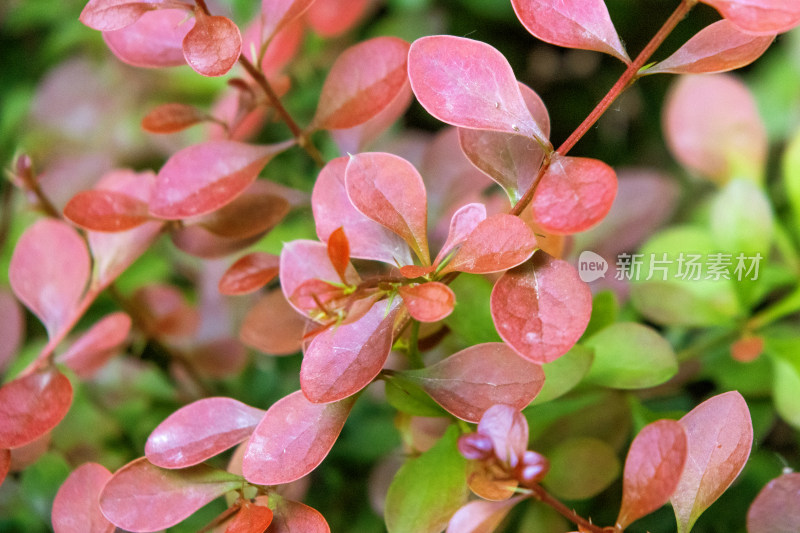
x,y
533,467
475,446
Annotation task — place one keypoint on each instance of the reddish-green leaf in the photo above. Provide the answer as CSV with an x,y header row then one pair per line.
x,y
293,438
652,470
213,45
207,176
106,210
295,517
342,360
76,508
759,16
583,24
481,516
32,405
339,251
541,308
171,118
720,437
776,509
153,41
141,497
508,430
717,48
575,194
469,84
199,431
48,272
92,350
251,214
389,190
428,302
249,273
251,518
272,326
363,81
471,381
276,14
107,15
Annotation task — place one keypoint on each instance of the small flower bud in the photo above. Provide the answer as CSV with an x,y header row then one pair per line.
x,y
533,467
475,446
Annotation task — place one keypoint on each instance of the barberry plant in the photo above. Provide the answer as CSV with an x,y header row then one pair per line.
x,y
437,284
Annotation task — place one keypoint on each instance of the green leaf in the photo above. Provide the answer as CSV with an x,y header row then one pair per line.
x,y
408,397
471,320
791,175
581,468
628,355
427,490
786,385
563,374
742,219
605,309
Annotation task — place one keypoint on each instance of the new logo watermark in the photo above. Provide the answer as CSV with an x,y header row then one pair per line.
x,y
663,266
591,266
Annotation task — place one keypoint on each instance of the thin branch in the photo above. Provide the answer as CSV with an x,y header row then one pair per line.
x,y
543,496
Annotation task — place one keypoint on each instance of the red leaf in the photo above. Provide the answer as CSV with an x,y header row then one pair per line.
x,y
5,464
471,381
153,41
759,16
212,47
775,508
249,273
333,209
32,405
207,176
108,15
481,516
428,302
292,439
511,160
339,251
462,223
141,497
168,312
575,194
76,508
12,327
720,437
652,470
92,350
716,48
219,358
171,117
363,81
439,67
199,431
105,210
48,272
583,24
342,360
276,14
296,517
508,430
272,326
334,17
389,190
541,308
498,243
251,214
250,519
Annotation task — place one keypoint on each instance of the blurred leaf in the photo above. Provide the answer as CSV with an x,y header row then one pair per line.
x,y
581,468
791,175
564,373
471,320
786,384
605,309
742,219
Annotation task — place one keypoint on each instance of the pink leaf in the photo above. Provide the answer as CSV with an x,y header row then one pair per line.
x,y
272,326
363,81
776,508
339,251
12,327
716,48
168,311
497,243
333,209
32,405
76,508
462,223
541,308
199,431
171,117
652,470
91,351
480,516
508,430
720,437
5,464
108,15
212,47
389,190
342,360
141,497
583,24
296,517
105,210
207,176
575,194
759,16
511,160
48,272
469,84
331,18
428,302
250,214
249,273
276,14
251,518
153,41
293,438
471,381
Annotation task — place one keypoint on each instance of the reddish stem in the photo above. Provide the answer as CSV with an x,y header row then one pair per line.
x,y
545,497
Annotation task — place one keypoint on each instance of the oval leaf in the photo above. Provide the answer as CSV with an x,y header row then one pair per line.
x,y
272,326
107,15
293,438
249,273
213,45
759,16
207,176
296,517
153,41
481,516
720,437
12,327
141,497
363,81
199,431
541,308
652,469
106,210
275,14
462,223
776,509
471,381
469,84
583,24
574,194
334,17
581,467
90,352
250,519
76,508
32,405
171,118
428,302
